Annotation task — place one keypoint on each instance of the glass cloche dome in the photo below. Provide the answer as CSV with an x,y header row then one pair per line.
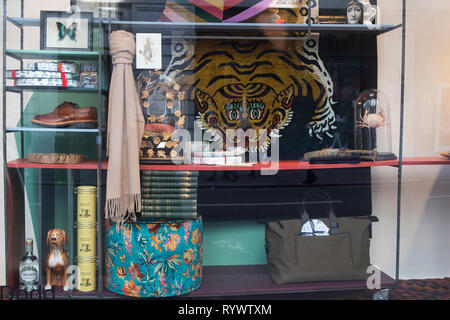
x,y
372,122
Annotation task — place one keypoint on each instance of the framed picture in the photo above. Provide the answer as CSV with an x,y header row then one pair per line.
x,y
148,51
66,31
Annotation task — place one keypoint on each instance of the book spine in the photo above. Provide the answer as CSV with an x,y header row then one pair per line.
x,y
167,215
168,185
167,190
168,208
169,173
185,203
164,196
175,179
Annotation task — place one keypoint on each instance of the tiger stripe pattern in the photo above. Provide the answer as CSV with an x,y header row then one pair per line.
x,y
243,84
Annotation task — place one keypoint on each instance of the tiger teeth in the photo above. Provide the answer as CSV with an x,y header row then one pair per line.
x,y
274,135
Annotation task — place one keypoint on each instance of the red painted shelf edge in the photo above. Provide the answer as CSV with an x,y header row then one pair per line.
x,y
282,165
425,161
25,164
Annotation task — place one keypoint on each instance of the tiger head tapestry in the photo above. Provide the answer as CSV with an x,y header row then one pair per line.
x,y
251,80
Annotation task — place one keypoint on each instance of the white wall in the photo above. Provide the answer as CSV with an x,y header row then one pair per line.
x,y
425,217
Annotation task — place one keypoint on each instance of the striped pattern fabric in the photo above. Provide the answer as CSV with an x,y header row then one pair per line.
x,y
212,10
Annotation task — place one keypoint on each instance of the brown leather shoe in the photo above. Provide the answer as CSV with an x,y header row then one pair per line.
x,y
67,114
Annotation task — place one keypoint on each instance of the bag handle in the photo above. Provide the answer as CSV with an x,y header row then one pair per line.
x,y
334,226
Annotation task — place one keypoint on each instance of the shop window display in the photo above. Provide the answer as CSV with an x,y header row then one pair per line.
x,y
278,79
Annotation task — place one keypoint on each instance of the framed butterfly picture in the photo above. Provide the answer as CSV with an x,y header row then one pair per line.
x,y
61,30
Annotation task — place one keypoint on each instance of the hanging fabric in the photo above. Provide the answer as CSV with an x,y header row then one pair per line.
x,y
125,130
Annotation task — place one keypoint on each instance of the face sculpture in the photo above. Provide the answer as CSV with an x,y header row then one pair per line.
x,y
354,13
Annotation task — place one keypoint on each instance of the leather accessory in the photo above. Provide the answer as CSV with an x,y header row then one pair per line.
x,y
343,254
67,114
335,159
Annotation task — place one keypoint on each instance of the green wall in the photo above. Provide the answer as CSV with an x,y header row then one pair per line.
x,y
233,243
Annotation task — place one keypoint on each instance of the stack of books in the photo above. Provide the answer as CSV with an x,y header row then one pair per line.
x,y
229,157
169,194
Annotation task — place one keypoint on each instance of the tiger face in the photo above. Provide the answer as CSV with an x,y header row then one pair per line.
x,y
238,85
245,113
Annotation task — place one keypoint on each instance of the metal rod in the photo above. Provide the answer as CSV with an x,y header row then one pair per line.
x,y
109,22
29,129
14,56
400,152
70,218
40,234
22,146
14,22
261,38
308,34
70,215
99,155
5,172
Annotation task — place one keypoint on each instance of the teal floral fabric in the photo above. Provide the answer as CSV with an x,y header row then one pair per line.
x,y
154,258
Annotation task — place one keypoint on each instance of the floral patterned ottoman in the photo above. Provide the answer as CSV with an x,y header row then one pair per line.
x,y
154,258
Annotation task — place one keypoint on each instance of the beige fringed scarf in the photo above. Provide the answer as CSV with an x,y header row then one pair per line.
x,y
125,130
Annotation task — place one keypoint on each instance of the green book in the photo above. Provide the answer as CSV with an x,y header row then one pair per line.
x,y
159,179
168,196
146,208
166,173
151,190
186,203
167,215
170,185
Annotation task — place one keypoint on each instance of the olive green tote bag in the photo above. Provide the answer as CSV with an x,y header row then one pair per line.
x,y
343,254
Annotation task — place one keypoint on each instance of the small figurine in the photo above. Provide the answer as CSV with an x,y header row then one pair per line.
x,y
361,12
57,261
355,12
370,12
372,120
